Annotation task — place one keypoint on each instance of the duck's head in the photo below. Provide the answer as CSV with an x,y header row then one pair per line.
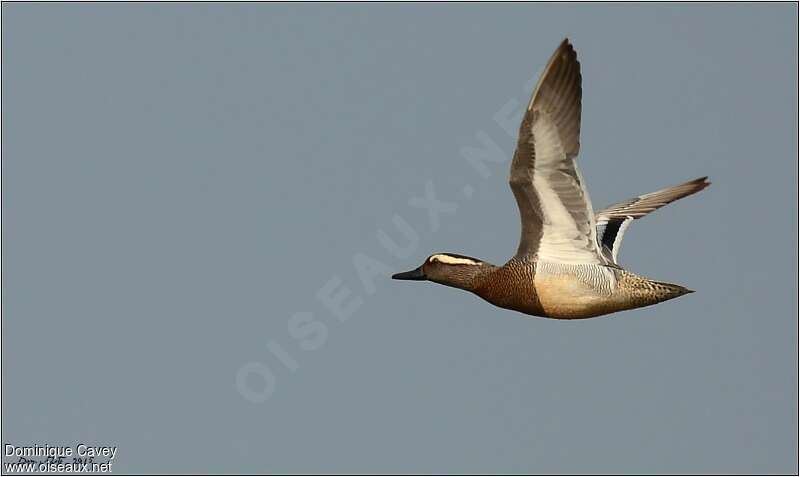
x,y
448,269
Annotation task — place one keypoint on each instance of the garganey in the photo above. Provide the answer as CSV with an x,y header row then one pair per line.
x,y
566,263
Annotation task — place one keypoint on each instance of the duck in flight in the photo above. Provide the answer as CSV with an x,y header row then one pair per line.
x,y
566,263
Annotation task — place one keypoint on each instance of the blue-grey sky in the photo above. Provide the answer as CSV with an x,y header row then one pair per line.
x,y
189,191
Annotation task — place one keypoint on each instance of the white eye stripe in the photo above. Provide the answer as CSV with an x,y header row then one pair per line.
x,y
451,260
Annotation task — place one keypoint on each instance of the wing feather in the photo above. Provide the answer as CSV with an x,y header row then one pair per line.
x,y
558,222
615,219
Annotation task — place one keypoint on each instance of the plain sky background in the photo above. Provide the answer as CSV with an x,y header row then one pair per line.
x,y
180,180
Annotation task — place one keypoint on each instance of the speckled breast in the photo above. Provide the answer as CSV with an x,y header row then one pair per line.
x,y
550,290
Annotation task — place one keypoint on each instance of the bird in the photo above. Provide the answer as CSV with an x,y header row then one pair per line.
x,y
566,265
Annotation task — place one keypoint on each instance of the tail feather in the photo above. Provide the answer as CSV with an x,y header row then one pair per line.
x,y
669,290
643,291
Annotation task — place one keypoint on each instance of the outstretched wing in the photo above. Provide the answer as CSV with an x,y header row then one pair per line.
x,y
614,219
558,223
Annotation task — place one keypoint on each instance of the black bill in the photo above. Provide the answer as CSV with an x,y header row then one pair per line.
x,y
416,274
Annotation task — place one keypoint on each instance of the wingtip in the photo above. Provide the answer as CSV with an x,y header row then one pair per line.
x,y
701,182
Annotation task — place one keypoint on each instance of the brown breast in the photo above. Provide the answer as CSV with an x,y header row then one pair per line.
x,y
512,287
